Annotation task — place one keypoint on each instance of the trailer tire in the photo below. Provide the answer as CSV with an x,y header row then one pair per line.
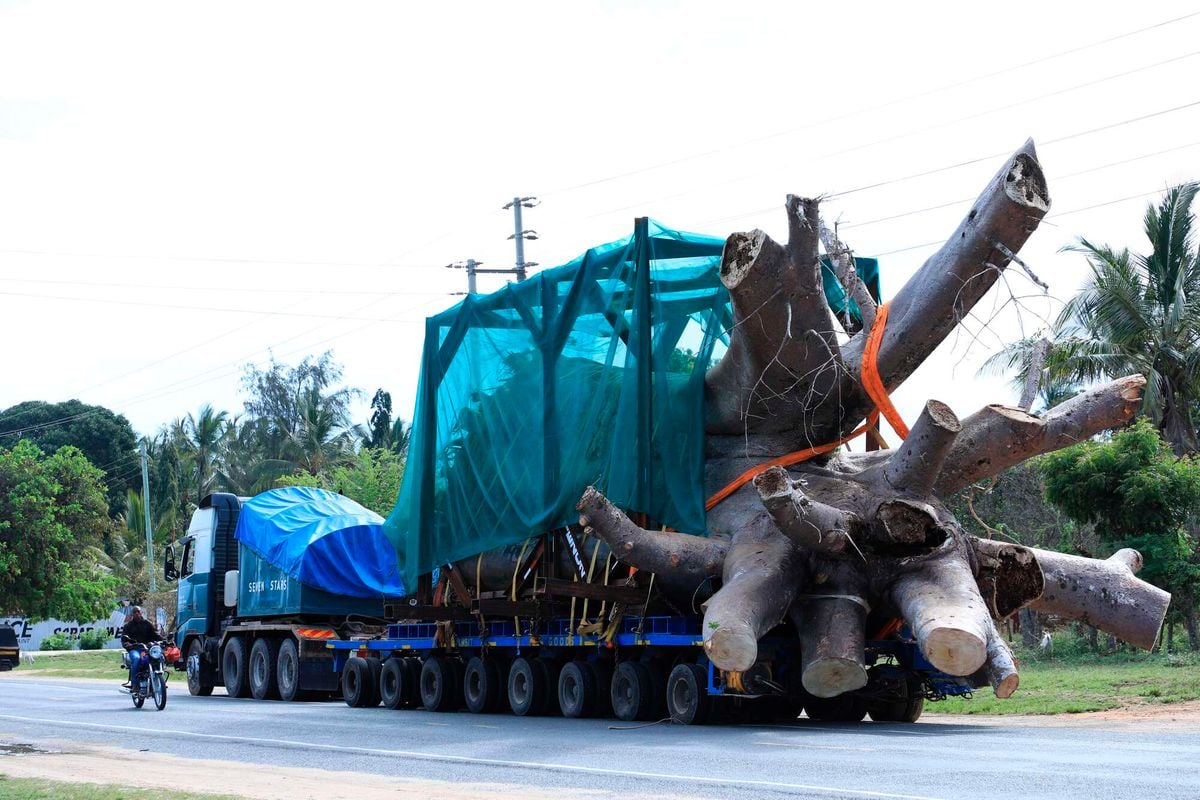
x,y
356,682
527,687
483,689
199,674
398,683
603,670
287,670
577,690
263,671
843,708
632,693
438,679
234,668
687,694
376,666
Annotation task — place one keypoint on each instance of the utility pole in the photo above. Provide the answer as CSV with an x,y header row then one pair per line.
x,y
471,266
146,509
520,234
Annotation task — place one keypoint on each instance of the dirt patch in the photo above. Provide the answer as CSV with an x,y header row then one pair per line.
x,y
1181,717
77,763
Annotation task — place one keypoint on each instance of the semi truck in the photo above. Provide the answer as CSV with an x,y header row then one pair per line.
x,y
573,632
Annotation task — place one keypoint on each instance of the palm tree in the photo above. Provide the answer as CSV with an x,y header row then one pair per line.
x,y
204,435
1138,314
322,439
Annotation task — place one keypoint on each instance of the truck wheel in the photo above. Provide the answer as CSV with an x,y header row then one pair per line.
x,y
199,674
843,708
287,670
234,668
398,683
482,687
906,709
356,682
687,694
376,666
527,687
577,690
632,693
438,680
603,671
263,657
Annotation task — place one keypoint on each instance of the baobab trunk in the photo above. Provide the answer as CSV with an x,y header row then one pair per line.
x,y
825,540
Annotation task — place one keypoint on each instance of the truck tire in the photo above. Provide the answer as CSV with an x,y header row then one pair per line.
x,y
687,694
527,687
199,673
287,670
398,683
234,668
843,708
356,683
263,670
632,692
376,665
577,690
483,689
438,684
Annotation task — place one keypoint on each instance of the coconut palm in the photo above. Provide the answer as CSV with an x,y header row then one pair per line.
x,y
322,439
203,435
1137,314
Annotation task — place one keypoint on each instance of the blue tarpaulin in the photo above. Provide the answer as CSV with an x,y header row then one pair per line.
x,y
322,539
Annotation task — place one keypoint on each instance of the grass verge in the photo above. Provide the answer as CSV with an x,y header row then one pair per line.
x,y
1097,683
36,789
79,664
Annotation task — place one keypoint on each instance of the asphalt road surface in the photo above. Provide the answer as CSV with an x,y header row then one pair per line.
x,y
938,757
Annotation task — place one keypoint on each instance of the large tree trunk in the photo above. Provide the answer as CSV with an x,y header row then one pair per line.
x,y
825,540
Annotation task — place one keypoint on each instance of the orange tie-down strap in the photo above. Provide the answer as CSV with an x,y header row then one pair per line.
x,y
875,389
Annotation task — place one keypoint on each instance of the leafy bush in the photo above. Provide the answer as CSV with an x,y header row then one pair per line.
x,y
58,641
95,639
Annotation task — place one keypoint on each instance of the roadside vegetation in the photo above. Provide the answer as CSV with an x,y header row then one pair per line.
x,y
103,664
36,789
1076,680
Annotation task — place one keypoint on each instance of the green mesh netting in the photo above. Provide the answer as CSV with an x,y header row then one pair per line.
x,y
591,373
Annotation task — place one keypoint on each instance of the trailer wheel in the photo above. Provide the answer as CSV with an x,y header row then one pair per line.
x,y
376,666
263,657
632,692
603,670
438,684
483,689
907,709
356,682
843,708
577,690
687,694
287,670
398,683
527,687
234,668
199,674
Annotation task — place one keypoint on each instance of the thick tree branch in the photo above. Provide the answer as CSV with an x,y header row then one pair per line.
x,y
654,551
759,582
809,524
942,605
782,347
1104,594
1009,575
1001,667
831,620
997,437
917,463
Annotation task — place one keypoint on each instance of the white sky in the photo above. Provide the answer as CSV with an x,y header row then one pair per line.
x,y
185,187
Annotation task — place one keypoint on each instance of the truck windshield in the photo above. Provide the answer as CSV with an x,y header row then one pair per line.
x,y
8,637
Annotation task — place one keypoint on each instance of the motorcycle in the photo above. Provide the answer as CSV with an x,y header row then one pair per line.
x,y
152,675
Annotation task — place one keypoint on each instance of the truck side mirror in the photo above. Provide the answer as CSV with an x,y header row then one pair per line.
x,y
170,573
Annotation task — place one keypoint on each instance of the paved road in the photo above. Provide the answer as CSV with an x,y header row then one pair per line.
x,y
936,758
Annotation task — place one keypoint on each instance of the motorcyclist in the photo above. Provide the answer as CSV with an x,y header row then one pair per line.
x,y
136,633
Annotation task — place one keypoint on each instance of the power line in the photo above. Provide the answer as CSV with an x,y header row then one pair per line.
x,y
215,260
869,109
222,289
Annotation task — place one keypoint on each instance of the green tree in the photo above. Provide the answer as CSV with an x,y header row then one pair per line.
x,y
1141,314
53,520
105,438
1138,494
277,396
372,479
204,433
